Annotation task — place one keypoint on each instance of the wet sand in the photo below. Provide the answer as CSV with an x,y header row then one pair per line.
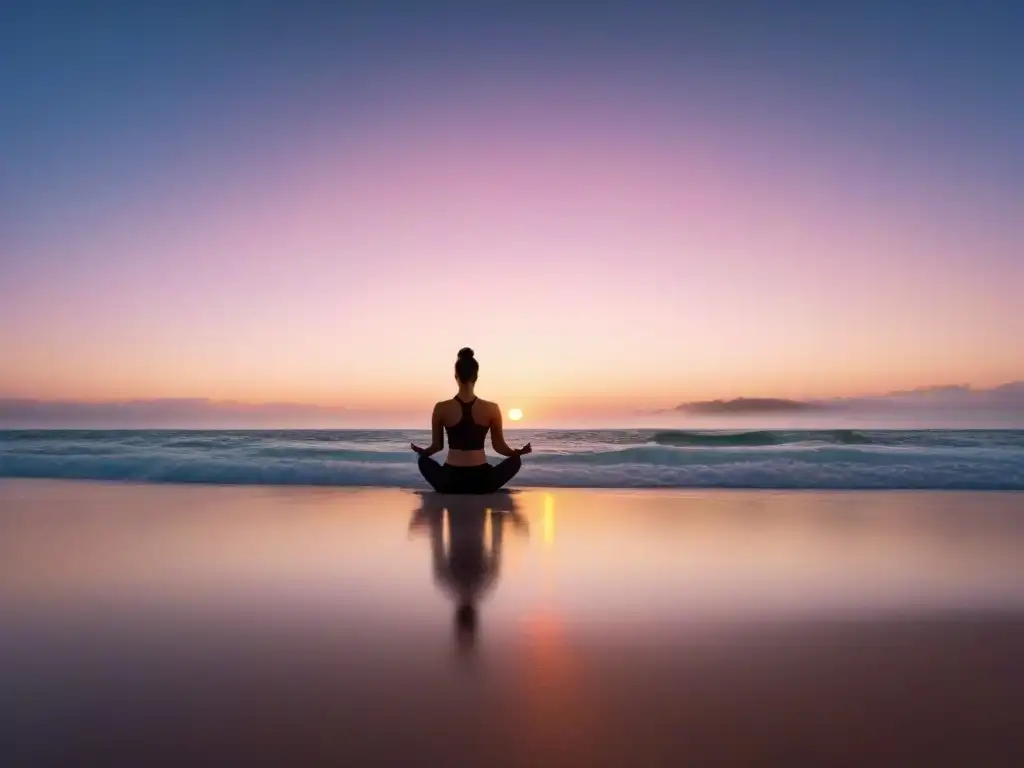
x,y
292,626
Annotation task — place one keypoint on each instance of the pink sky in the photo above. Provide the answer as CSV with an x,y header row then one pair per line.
x,y
598,251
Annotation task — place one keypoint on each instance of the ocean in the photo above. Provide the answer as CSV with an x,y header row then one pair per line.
x,y
765,459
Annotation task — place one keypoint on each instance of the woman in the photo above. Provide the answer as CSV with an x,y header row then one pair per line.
x,y
467,420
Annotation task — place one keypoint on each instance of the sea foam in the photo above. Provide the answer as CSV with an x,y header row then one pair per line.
x,y
838,459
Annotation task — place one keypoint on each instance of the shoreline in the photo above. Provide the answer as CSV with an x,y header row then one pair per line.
x,y
424,489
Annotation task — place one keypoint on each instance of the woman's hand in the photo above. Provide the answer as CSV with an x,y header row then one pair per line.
x,y
416,448
525,450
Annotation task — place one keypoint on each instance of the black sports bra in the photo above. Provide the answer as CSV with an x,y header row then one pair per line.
x,y
467,435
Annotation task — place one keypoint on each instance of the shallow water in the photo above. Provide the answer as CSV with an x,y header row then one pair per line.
x,y
320,625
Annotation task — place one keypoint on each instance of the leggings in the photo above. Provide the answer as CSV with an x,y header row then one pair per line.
x,y
483,478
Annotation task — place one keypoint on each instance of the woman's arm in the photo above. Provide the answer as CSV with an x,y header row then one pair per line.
x,y
436,434
498,437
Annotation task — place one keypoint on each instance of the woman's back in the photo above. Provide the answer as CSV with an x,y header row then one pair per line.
x,y
466,419
467,425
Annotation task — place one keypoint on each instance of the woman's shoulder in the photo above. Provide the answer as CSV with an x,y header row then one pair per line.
x,y
451,404
488,406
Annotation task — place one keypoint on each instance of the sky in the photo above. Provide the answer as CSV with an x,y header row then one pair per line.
x,y
618,206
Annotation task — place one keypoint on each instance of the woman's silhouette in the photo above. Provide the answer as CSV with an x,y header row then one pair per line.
x,y
467,419
469,566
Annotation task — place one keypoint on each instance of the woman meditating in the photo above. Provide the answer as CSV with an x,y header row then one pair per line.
x,y
467,420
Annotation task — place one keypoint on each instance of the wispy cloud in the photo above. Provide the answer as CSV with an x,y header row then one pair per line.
x,y
165,412
1009,395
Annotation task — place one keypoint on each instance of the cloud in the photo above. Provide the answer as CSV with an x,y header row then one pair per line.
x,y
1005,396
992,405
1010,394
748,405
164,413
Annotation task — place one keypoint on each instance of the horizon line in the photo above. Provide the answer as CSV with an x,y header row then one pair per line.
x,y
202,400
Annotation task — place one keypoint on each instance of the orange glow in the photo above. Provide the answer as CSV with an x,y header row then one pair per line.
x,y
549,520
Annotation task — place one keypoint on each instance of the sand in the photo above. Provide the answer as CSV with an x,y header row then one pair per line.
x,y
300,626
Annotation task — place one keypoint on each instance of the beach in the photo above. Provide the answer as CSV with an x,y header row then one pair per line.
x,y
223,624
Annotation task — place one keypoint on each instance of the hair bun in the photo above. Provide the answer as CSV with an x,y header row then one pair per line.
x,y
465,352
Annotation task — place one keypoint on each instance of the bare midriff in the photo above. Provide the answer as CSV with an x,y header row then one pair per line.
x,y
461,458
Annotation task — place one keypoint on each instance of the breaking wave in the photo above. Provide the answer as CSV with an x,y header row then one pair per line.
x,y
836,459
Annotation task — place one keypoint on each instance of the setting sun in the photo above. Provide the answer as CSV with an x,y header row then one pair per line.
x,y
515,414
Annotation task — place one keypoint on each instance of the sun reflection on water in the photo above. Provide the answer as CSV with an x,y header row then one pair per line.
x,y
549,520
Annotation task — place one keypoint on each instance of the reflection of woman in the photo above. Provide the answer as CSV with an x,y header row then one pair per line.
x,y
468,568
467,419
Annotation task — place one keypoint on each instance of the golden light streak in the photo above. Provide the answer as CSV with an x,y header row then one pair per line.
x,y
549,519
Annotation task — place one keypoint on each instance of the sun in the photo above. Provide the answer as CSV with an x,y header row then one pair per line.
x,y
515,414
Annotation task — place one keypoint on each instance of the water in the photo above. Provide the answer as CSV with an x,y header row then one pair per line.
x,y
833,459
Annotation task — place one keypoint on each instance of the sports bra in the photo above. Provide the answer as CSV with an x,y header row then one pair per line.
x,y
467,435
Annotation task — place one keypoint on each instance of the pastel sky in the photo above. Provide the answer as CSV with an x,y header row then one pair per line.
x,y
639,204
